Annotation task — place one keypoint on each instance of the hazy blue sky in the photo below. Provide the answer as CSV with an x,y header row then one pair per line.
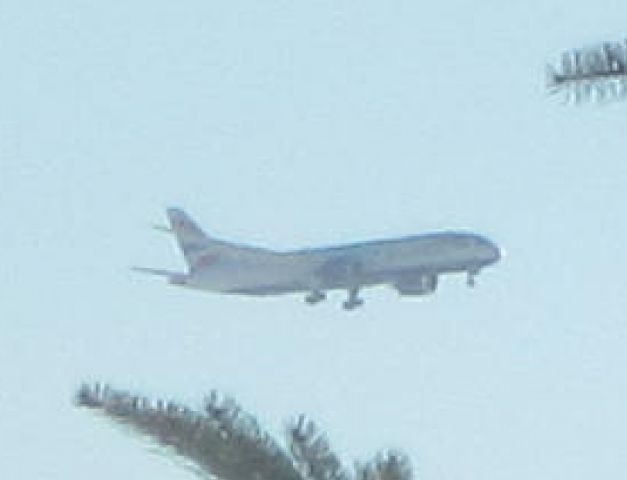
x,y
290,124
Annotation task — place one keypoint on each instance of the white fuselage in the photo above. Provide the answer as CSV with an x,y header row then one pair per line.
x,y
255,271
411,265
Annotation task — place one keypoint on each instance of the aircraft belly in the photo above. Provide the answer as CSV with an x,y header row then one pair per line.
x,y
253,279
387,272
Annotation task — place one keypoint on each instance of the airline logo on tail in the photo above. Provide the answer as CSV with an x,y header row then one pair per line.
x,y
194,243
206,259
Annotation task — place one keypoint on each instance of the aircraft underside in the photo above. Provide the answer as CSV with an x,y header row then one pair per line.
x,y
420,284
406,283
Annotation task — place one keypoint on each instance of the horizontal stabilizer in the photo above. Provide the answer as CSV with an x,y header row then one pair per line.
x,y
175,278
156,271
163,228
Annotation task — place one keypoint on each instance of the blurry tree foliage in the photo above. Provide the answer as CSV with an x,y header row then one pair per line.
x,y
222,442
593,73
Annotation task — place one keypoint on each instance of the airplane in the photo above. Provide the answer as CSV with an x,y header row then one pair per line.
x,y
409,264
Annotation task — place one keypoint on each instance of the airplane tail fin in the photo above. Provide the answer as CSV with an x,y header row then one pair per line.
x,y
197,247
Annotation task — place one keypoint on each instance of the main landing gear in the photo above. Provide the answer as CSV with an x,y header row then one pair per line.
x,y
353,301
315,296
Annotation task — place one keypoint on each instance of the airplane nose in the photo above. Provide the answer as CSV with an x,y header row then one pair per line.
x,y
491,252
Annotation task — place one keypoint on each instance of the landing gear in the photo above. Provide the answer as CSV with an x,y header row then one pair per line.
x,y
470,279
353,301
315,296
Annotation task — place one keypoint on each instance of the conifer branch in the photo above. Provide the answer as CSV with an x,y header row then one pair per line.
x,y
311,452
225,443
389,465
596,73
221,440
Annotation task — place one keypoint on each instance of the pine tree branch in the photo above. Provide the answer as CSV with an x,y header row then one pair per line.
x,y
389,465
225,443
596,73
222,441
311,452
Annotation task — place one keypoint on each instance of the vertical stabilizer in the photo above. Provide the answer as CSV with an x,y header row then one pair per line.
x,y
193,242
201,250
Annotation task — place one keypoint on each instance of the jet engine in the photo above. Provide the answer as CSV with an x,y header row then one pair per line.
x,y
416,285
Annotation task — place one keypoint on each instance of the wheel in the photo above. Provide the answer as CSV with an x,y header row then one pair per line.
x,y
352,304
315,297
